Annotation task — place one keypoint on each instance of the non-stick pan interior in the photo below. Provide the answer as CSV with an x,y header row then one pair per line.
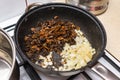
x,y
90,26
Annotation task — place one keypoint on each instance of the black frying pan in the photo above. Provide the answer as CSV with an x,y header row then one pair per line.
x,y
89,24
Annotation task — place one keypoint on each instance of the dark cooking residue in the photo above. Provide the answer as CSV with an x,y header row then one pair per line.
x,y
49,36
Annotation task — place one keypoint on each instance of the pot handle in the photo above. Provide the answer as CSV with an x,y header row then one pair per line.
x,y
33,5
104,72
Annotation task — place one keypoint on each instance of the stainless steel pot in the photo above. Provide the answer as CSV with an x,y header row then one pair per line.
x,y
96,7
9,69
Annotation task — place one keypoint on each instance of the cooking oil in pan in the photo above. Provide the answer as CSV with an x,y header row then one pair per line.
x,y
5,65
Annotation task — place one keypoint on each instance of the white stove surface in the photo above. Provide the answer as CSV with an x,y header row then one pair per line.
x,y
93,75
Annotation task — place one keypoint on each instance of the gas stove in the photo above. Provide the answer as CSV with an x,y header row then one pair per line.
x,y
28,73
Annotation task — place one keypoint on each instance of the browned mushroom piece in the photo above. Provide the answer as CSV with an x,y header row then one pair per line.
x,y
49,36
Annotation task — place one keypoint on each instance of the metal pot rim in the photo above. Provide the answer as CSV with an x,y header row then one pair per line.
x,y
7,36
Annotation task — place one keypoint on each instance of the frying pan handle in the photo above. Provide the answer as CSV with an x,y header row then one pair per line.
x,y
32,6
104,72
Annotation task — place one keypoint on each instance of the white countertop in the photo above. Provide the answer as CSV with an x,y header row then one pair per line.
x,y
111,21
